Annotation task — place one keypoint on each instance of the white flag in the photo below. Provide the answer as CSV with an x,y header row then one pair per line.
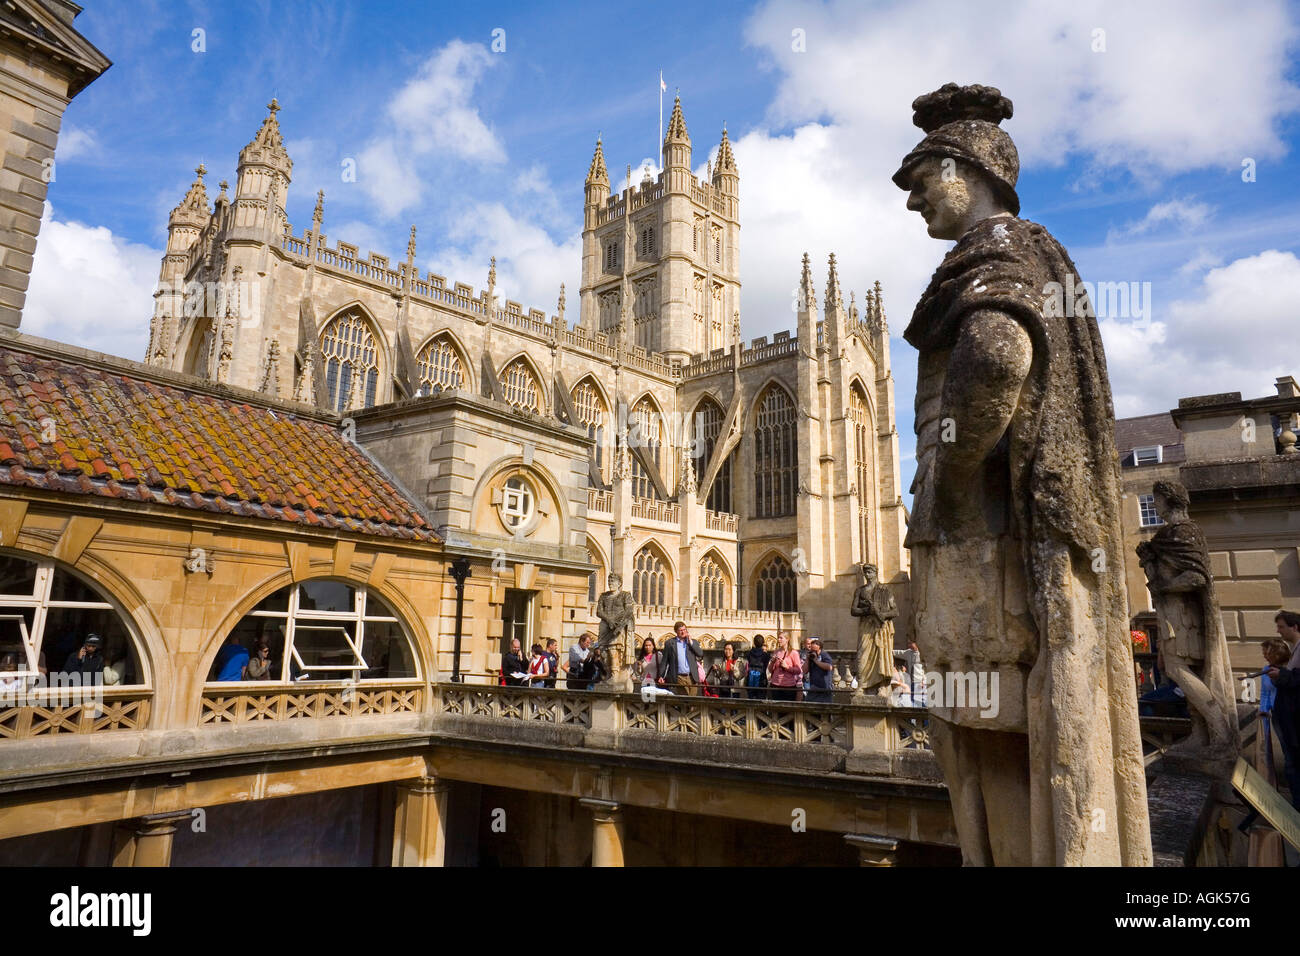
x,y
663,87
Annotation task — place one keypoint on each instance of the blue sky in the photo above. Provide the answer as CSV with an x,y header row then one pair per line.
x,y
1132,142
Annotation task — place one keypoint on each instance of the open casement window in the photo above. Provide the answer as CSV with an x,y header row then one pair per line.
x,y
326,630
46,614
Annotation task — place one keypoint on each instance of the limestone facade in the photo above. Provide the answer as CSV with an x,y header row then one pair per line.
x,y
734,485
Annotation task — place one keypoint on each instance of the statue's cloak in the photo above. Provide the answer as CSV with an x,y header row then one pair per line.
x,y
1087,784
1182,547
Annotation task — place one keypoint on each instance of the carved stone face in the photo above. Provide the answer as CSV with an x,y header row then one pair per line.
x,y
869,574
944,194
1164,507
615,582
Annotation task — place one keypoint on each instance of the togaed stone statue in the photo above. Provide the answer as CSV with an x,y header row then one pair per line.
x,y
874,607
1015,539
1177,566
617,615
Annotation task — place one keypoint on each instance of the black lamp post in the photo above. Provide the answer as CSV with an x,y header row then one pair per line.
x,y
460,571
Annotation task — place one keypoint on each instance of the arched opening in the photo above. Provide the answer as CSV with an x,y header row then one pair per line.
x,y
200,348
521,386
646,431
652,579
596,579
350,358
714,583
860,422
439,366
53,622
593,415
775,586
318,630
776,461
708,427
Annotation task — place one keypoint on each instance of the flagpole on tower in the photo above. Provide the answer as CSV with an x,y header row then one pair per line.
x,y
662,87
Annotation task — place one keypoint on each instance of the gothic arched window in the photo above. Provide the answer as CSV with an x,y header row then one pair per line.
x,y
715,585
775,586
521,388
708,426
351,362
776,461
860,419
646,433
592,415
650,581
596,579
439,364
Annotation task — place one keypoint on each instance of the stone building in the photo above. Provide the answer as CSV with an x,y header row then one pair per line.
x,y
1238,459
44,63
734,485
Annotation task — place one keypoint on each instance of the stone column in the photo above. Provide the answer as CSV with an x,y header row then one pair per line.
x,y
872,850
606,833
147,840
420,823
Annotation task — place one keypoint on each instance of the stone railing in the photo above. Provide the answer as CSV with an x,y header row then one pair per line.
x,y
870,737
246,702
650,509
600,502
769,350
59,711
721,521
557,707
699,366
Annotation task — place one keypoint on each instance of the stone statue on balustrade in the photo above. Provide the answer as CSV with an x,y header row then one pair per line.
x,y
875,609
1195,652
617,614
1015,539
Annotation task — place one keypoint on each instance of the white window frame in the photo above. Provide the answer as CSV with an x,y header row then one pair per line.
x,y
295,617
519,503
1145,503
40,601
1159,451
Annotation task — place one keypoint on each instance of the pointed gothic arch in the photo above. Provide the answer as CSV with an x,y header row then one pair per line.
x,y
593,409
353,358
647,431
715,584
706,428
862,447
775,585
652,576
774,426
596,581
442,361
521,383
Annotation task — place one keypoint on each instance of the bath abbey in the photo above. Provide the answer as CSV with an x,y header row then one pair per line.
x,y
734,485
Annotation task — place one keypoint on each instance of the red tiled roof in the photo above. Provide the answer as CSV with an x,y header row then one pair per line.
x,y
119,436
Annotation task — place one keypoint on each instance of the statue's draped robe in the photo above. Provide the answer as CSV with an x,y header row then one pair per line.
x,y
876,638
1179,548
1051,491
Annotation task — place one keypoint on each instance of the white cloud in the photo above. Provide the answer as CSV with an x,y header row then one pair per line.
x,y
91,288
1221,338
1180,213
75,142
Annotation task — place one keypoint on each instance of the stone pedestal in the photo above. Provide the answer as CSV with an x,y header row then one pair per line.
x,y
606,833
420,823
147,841
873,850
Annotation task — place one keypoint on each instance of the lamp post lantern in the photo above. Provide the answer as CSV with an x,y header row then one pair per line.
x,y
460,571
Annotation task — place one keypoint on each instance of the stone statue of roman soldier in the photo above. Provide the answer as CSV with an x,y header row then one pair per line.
x,y
617,614
1177,566
874,607
1015,539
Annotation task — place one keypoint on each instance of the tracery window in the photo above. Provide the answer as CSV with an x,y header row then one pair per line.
x,y
326,630
650,583
708,426
860,421
351,362
715,585
776,462
775,586
439,364
521,388
646,432
593,416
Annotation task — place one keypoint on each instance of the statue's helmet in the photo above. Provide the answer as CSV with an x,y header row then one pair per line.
x,y
961,123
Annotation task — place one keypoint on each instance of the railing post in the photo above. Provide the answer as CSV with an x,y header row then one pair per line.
x,y
606,720
870,738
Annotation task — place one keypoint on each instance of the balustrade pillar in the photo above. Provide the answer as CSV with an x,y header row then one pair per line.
x,y
873,850
420,823
606,832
